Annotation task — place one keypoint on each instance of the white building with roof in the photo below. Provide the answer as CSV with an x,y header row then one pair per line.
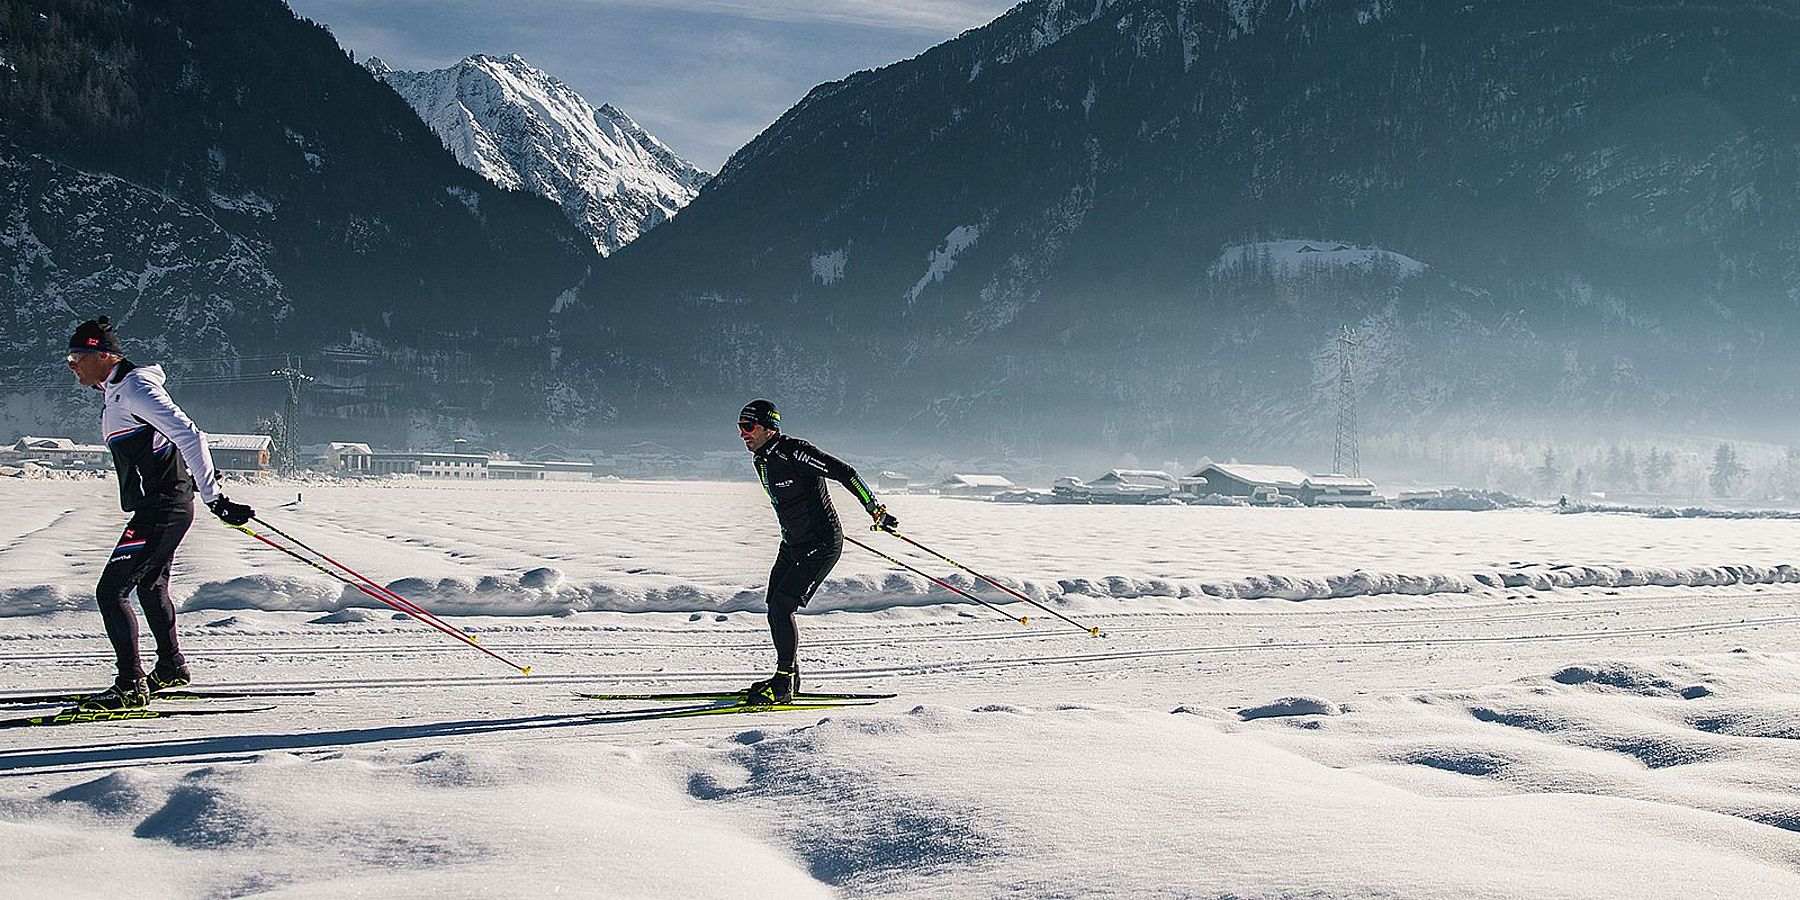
x,y
60,452
344,457
1340,490
513,470
1251,481
430,464
959,485
1117,486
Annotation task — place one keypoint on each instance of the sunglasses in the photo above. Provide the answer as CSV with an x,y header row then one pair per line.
x,y
76,355
746,427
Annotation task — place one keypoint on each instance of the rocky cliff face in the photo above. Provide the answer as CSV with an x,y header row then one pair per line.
x,y
226,183
524,130
1046,220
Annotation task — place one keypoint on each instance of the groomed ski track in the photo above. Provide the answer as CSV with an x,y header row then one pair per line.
x,y
1228,658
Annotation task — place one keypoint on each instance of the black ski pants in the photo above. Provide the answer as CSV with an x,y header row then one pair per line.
x,y
798,572
141,561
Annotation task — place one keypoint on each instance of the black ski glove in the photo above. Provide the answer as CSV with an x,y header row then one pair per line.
x,y
232,513
883,521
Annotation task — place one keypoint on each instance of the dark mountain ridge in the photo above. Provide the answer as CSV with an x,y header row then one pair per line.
x,y
1603,194
226,182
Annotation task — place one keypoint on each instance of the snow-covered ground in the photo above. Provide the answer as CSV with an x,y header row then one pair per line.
x,y
1504,704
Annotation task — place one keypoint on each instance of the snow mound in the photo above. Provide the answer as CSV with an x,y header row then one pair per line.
x,y
1686,512
547,591
1761,720
859,829
266,592
1292,706
38,599
1630,678
1461,500
953,788
387,823
346,617
1620,729
120,793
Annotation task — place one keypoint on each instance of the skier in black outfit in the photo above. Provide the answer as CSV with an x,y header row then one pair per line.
x,y
793,473
161,457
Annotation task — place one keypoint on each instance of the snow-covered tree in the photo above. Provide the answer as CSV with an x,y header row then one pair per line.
x,y
1548,474
1658,466
1726,471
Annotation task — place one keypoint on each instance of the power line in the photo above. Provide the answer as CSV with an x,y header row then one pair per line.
x,y
288,460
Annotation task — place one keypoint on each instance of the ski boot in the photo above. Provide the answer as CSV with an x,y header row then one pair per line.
x,y
777,688
125,693
167,676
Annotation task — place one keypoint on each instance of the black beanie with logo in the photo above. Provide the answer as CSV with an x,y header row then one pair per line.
x,y
97,334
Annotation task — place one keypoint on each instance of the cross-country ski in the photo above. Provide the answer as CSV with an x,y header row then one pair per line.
x,y
169,694
802,697
78,716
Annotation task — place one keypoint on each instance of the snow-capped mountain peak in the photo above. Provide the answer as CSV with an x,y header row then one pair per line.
x,y
524,129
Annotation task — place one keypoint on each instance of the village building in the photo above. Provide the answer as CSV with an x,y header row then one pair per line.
x,y
59,452
513,470
1252,482
973,485
645,459
429,464
342,457
240,452
1340,490
565,469
892,481
1132,486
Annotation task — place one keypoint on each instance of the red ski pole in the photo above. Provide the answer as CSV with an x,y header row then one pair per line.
x,y
1093,631
934,580
427,619
403,604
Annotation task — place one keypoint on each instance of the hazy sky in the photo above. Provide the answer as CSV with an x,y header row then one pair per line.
x,y
704,75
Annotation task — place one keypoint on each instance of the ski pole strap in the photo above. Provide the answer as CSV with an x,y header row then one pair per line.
x,y
1022,620
1093,631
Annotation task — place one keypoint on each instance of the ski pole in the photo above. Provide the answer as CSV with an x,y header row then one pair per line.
x,y
937,581
427,619
1093,631
405,605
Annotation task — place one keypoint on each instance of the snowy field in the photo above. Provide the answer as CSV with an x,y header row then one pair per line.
x,y
1286,703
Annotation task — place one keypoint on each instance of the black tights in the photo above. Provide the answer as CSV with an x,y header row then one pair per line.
x,y
142,559
797,574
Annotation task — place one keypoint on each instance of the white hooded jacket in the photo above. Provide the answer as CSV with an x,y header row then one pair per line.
x,y
160,454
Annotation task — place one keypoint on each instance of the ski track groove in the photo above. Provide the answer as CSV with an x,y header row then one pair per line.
x,y
958,666
58,519
751,639
327,730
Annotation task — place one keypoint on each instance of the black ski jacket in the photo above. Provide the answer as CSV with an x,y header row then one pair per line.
x,y
793,473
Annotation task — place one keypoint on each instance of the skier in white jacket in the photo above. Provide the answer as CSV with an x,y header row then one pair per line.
x,y
161,459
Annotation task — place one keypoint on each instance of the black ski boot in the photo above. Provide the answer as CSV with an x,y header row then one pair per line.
x,y
777,688
125,693
168,676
